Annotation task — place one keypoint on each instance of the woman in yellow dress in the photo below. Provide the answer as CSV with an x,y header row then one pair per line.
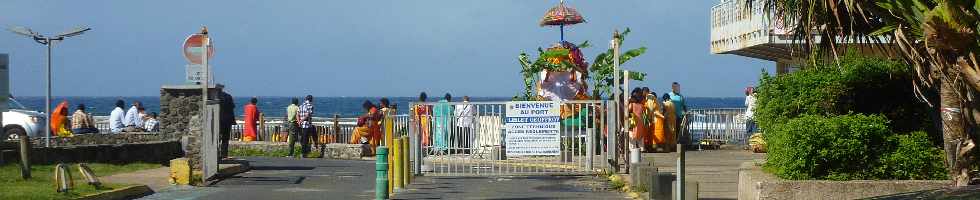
x,y
670,119
422,115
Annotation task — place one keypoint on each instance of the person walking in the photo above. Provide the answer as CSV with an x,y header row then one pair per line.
x,y
251,117
82,122
116,117
292,125
749,106
225,121
133,121
304,118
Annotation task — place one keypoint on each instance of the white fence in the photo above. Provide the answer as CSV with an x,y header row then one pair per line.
x,y
475,144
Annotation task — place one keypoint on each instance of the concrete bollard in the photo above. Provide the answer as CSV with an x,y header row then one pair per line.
x,y
407,178
399,169
381,180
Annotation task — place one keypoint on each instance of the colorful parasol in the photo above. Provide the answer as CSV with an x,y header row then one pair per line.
x,y
560,16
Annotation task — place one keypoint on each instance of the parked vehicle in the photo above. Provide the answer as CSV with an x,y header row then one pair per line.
x,y
20,120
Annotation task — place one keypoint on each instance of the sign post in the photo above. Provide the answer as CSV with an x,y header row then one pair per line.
x,y
533,128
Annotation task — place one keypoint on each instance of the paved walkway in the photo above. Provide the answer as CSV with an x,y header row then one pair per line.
x,y
156,179
543,187
716,171
286,178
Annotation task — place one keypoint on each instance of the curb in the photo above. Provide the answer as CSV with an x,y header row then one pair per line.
x,y
129,192
627,187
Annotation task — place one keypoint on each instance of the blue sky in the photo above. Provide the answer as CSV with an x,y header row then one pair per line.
x,y
354,48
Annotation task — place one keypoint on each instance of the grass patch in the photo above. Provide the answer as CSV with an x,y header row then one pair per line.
x,y
41,185
251,152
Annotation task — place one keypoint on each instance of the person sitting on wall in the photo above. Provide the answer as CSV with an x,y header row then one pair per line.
x,y
133,121
59,120
151,124
81,122
368,130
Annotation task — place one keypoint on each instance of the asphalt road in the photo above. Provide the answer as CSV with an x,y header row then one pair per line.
x,y
286,178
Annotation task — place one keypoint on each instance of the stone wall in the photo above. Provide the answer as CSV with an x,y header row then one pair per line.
x,y
754,184
149,152
331,151
178,103
107,139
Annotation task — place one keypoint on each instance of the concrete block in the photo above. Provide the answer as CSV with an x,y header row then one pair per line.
x,y
180,172
641,175
660,185
754,184
690,190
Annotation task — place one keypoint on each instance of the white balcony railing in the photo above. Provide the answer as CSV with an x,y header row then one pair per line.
x,y
736,25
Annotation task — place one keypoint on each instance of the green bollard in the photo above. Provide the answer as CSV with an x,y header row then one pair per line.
x,y
381,180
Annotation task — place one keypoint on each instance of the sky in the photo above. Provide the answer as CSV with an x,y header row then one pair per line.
x,y
355,48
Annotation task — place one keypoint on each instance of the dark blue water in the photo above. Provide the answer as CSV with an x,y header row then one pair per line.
x,y
325,106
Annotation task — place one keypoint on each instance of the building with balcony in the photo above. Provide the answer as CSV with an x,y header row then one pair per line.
x,y
750,31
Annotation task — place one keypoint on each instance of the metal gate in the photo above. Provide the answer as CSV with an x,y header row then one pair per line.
x,y
470,139
209,142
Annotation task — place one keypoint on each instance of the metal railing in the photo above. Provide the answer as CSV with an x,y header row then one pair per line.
x,y
725,125
475,144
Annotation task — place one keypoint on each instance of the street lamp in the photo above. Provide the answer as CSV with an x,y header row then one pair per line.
x,y
47,41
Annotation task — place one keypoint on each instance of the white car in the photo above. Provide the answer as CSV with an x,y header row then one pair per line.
x,y
19,120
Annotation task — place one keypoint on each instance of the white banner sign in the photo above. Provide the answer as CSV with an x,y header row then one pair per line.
x,y
533,128
195,73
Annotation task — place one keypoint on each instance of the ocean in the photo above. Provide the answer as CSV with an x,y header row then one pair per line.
x,y
325,106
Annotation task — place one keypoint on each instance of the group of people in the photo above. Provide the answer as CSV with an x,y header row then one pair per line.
x,y
82,122
135,119
655,122
368,130
451,125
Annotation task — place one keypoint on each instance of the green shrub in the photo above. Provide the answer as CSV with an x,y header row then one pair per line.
x,y
835,148
913,157
855,84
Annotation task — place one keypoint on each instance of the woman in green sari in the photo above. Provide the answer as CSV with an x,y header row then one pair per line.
x,y
443,114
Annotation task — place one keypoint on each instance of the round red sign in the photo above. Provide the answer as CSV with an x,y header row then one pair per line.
x,y
193,48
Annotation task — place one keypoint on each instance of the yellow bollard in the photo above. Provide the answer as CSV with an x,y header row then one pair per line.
x,y
399,170
406,154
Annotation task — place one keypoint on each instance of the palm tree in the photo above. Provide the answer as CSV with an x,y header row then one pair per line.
x,y
938,38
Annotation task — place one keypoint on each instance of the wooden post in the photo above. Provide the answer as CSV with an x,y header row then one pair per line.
x,y
25,156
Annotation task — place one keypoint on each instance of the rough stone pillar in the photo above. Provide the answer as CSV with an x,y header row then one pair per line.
x,y
180,109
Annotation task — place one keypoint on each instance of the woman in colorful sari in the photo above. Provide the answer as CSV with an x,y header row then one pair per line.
x,y
638,118
421,112
368,126
657,139
443,114
59,120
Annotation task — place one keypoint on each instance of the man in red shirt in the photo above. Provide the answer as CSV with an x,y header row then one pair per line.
x,y
251,117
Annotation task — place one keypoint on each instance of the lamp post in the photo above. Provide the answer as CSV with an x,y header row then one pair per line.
x,y
48,41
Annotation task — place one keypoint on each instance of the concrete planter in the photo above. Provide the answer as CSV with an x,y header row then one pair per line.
x,y
753,184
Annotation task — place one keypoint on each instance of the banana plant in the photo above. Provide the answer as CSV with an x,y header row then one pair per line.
x,y
602,68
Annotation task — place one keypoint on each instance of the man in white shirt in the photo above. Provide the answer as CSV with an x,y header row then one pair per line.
x,y
116,117
465,118
133,121
749,106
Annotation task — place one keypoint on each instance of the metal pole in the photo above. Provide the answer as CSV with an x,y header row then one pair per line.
x,y
47,98
680,159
